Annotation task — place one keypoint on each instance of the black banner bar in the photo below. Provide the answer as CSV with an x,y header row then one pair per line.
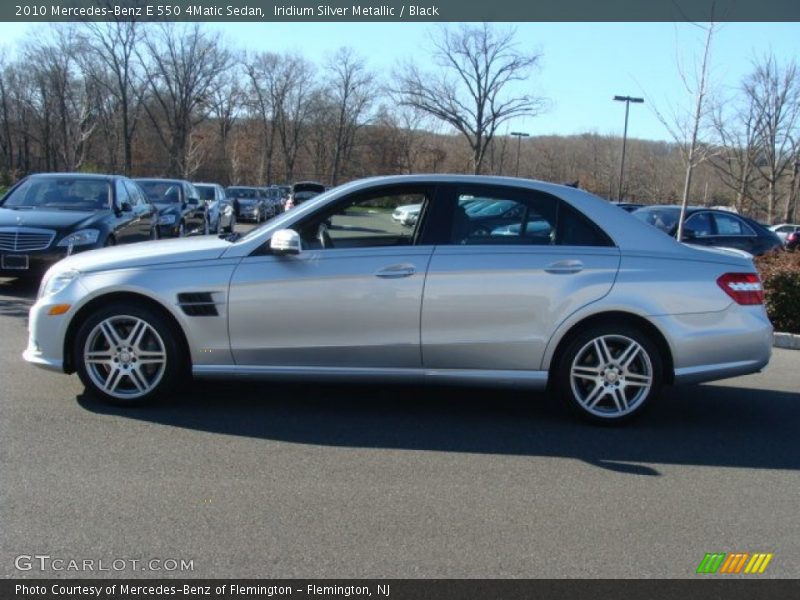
x,y
703,588
401,10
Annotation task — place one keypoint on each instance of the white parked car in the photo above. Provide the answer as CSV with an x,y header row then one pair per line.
x,y
407,215
784,229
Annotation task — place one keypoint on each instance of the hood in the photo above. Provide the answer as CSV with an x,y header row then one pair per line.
x,y
48,219
143,254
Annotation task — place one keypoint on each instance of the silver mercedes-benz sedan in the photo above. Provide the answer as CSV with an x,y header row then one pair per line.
x,y
541,286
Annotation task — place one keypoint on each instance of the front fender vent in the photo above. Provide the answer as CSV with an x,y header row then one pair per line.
x,y
198,304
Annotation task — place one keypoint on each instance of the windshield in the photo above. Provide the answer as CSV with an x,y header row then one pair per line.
x,y
206,191
241,192
664,218
161,191
69,193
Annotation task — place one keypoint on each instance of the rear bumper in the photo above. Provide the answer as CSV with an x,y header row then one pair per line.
x,y
718,345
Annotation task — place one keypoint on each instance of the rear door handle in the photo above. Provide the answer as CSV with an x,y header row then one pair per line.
x,y
396,271
564,267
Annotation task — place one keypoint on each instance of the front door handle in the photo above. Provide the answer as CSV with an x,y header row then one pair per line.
x,y
564,267
396,271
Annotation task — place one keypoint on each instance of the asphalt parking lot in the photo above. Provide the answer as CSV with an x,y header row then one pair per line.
x,y
312,480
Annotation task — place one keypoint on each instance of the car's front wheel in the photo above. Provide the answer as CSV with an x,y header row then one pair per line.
x,y
127,354
610,373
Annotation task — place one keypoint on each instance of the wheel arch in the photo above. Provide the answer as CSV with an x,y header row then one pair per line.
x,y
617,316
104,300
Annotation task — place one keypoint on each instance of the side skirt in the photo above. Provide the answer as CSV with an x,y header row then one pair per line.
x,y
536,380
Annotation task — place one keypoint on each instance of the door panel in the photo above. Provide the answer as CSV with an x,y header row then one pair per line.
x,y
496,307
329,308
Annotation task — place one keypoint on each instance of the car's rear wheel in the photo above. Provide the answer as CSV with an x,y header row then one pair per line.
x,y
610,373
127,354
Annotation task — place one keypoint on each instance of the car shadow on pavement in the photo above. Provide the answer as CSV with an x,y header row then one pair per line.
x,y
17,296
705,425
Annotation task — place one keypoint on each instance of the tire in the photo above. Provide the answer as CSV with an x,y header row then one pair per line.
x,y
609,373
110,241
127,354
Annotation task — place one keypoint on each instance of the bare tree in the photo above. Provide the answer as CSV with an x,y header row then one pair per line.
x,y
735,124
113,45
67,100
352,90
689,130
182,66
775,94
469,94
293,108
261,72
226,100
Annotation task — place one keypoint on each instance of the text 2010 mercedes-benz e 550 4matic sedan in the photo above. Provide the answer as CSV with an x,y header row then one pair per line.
x,y
499,281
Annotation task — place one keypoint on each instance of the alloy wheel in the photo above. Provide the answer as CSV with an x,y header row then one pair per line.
x,y
125,357
611,376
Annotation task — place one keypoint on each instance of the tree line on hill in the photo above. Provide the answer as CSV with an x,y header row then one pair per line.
x,y
180,100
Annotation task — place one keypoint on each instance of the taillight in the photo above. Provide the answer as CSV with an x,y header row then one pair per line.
x,y
744,288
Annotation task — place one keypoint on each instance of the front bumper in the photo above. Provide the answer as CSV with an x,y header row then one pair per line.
x,y
38,261
46,332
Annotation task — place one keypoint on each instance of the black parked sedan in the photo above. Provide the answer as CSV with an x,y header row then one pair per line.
x,y
712,227
180,211
46,217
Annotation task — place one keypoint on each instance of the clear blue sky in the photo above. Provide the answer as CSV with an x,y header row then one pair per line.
x,y
583,64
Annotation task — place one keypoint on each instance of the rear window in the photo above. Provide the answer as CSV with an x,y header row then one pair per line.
x,y
238,192
206,192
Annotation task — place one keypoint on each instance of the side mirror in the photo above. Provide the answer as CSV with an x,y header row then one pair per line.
x,y
126,207
285,241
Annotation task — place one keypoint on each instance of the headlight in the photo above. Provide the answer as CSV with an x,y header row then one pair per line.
x,y
166,220
81,238
56,283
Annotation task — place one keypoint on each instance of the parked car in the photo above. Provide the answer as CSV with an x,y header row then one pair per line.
x,y
45,217
302,191
604,311
407,215
793,241
784,229
272,206
249,202
180,211
221,214
711,227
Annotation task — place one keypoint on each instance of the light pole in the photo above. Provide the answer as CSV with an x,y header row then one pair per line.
x,y
627,100
519,135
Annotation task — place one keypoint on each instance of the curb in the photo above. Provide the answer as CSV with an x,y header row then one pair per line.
x,y
789,341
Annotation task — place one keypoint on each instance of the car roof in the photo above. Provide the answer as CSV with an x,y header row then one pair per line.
x,y
77,176
160,179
